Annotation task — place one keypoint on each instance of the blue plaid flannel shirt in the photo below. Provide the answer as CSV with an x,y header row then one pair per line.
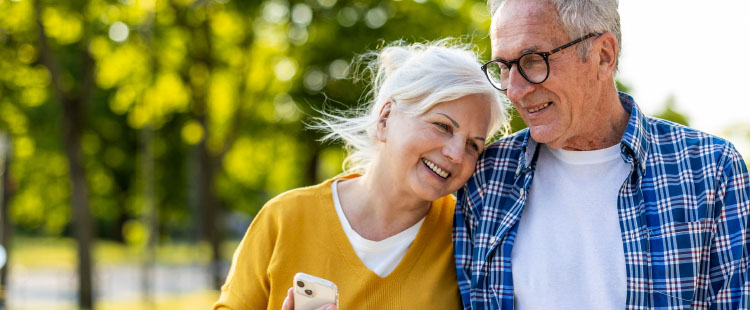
x,y
683,210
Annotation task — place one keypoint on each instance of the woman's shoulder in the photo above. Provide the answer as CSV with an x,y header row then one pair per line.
x,y
290,208
447,201
443,208
302,197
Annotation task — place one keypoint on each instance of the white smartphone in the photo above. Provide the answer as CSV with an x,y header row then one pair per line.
x,y
311,292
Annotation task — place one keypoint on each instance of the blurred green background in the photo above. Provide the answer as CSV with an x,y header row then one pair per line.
x,y
138,138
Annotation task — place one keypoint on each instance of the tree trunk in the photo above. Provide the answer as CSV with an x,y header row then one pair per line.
x,y
210,206
312,164
208,163
151,219
6,227
73,104
79,200
151,212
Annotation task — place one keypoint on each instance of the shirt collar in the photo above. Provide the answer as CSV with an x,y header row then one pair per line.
x,y
636,136
634,141
529,149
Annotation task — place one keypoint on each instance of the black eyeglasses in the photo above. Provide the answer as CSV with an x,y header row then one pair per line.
x,y
533,66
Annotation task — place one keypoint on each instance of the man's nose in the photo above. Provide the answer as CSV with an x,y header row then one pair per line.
x,y
518,86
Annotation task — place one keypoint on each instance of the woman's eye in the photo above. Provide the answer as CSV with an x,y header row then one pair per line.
x,y
443,127
473,146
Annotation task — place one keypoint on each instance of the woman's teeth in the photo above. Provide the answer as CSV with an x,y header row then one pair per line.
x,y
442,173
539,108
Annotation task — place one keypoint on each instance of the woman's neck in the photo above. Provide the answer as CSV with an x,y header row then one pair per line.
x,y
377,208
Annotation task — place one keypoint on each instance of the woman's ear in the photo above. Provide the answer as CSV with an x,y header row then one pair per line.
x,y
385,112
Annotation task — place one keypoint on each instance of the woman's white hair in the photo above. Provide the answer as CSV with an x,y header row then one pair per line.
x,y
581,17
414,78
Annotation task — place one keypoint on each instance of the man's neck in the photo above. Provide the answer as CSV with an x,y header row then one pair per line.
x,y
612,119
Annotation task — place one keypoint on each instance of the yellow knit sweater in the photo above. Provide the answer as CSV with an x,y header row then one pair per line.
x,y
299,231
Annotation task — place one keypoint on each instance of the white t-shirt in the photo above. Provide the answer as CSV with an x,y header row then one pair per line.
x,y
379,256
568,252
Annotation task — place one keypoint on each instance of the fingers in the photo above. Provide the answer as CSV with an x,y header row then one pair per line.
x,y
327,307
289,300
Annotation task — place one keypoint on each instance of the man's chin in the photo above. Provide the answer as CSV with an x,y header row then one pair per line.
x,y
542,134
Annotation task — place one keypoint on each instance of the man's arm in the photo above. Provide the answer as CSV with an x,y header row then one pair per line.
x,y
463,243
730,277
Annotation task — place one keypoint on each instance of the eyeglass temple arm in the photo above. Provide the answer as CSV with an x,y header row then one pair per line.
x,y
574,42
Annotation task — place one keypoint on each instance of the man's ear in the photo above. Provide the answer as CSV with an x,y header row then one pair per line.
x,y
385,112
606,46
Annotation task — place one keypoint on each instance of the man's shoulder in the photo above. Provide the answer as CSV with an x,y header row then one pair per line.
x,y
510,145
503,156
672,142
669,136
661,127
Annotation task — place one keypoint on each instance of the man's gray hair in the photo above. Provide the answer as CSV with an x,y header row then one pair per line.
x,y
581,17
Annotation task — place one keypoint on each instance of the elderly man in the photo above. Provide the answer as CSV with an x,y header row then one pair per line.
x,y
595,205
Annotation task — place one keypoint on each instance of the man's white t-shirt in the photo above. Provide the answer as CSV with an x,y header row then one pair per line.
x,y
568,252
379,256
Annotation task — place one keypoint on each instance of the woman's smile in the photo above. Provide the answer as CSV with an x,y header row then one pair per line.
x,y
434,168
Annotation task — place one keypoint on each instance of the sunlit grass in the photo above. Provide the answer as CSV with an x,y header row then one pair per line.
x,y
61,253
196,300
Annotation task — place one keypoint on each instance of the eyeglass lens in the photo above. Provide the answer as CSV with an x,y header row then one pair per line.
x,y
532,66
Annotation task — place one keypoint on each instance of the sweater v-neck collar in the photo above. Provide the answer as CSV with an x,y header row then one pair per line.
x,y
353,263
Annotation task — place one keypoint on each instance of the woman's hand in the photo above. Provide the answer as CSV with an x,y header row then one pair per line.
x,y
289,302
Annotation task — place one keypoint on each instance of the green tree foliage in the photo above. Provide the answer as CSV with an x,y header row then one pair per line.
x,y
223,86
671,114
234,78
195,113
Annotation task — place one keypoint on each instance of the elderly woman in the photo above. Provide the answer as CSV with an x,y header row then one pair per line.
x,y
382,231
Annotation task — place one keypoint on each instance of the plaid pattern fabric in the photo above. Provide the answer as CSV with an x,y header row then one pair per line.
x,y
683,212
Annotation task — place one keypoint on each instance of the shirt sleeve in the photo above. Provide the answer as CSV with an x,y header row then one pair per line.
x,y
247,285
730,279
463,244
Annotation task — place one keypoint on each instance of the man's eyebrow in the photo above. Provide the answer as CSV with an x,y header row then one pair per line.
x,y
452,120
531,49
480,138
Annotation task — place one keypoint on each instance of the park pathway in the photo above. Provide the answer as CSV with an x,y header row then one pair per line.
x,y
55,288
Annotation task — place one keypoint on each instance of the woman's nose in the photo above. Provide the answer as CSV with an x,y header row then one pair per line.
x,y
454,149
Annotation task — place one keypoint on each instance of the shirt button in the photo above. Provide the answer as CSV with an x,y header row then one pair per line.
x,y
493,239
518,171
643,165
521,192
